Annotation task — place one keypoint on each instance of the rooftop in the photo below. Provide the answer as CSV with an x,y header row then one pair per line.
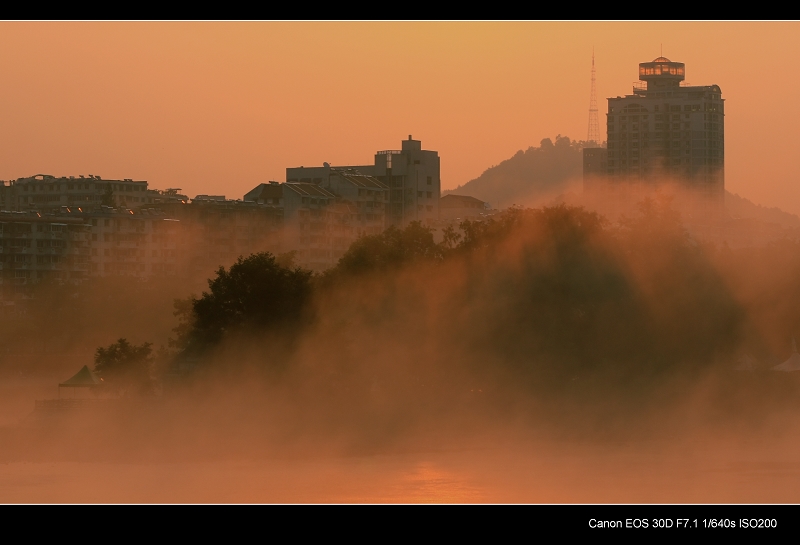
x,y
362,180
308,189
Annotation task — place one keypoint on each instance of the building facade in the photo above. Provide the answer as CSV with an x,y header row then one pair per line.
x,y
452,207
43,192
322,216
665,131
34,248
214,232
411,176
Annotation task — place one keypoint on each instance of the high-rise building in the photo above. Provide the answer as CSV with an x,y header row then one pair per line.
x,y
667,130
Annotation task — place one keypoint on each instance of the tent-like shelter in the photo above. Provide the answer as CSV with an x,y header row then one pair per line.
x,y
793,363
83,379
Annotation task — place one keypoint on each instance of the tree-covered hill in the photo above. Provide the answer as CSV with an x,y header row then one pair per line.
x,y
529,176
540,174
740,207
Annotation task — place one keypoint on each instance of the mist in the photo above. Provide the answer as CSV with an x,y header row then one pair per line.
x,y
540,355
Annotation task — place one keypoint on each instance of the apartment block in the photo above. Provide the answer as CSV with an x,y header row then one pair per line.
x,y
411,175
666,131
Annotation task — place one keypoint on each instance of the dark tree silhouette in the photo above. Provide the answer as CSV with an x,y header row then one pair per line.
x,y
257,294
123,365
390,249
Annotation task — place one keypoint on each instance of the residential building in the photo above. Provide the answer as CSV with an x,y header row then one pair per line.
x,y
34,248
326,213
461,207
215,232
44,192
137,243
313,225
665,131
411,175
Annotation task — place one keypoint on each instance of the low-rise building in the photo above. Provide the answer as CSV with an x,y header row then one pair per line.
x,y
411,175
322,217
34,248
136,243
44,193
309,220
461,207
216,232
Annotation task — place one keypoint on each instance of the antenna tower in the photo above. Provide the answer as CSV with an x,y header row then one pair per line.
x,y
594,125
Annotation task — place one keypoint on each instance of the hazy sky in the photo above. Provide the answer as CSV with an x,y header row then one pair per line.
x,y
219,107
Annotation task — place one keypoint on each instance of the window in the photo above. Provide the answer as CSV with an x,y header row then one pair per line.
x,y
430,180
419,194
430,194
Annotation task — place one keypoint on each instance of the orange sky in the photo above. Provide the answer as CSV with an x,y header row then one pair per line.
x,y
219,107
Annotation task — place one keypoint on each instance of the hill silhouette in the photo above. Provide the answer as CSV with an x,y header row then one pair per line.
x,y
740,207
529,176
542,174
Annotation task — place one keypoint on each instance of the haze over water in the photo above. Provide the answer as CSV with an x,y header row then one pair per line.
x,y
542,356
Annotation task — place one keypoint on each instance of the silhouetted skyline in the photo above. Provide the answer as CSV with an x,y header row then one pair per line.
x,y
215,108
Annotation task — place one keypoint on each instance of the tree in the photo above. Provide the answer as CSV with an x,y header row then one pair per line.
x,y
256,294
390,249
123,365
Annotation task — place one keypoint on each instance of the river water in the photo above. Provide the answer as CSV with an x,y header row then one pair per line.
x,y
756,473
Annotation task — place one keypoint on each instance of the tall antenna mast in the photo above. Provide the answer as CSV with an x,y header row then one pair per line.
x,y
594,125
